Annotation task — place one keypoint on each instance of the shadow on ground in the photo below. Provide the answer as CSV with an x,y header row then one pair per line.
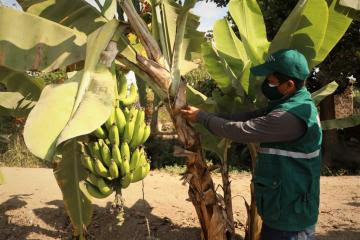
x,y
18,222
15,226
341,234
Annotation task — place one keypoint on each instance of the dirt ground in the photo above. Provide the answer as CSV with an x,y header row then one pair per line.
x,y
31,207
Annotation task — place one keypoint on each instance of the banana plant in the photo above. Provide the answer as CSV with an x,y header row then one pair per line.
x,y
169,47
313,28
62,113
47,47
63,110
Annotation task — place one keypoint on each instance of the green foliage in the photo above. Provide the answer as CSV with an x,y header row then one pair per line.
x,y
304,29
22,83
341,123
325,91
13,151
201,80
39,50
78,15
14,104
76,201
74,102
161,153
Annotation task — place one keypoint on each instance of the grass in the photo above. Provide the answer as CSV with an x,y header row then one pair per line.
x,y
18,155
14,152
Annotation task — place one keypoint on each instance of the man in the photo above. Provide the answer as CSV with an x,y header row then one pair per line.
x,y
286,178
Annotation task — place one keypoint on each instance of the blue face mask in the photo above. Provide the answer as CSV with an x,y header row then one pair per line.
x,y
271,91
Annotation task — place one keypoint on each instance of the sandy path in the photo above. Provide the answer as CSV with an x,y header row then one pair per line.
x,y
31,208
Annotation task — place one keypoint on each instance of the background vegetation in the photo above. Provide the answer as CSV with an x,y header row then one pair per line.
x,y
341,65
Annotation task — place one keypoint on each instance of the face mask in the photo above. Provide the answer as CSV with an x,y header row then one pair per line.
x,y
271,91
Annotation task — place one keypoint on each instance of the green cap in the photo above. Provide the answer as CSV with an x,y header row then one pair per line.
x,y
286,61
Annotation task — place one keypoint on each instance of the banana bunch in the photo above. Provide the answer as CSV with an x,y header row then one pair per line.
x,y
115,157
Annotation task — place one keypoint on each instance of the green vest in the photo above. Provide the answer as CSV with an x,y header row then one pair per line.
x,y
287,174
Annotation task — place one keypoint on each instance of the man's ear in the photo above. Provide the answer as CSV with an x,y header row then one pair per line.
x,y
291,84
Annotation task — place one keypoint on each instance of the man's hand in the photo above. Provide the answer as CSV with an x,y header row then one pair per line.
x,y
190,113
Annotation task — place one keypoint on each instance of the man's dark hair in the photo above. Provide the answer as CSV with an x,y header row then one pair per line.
x,y
284,78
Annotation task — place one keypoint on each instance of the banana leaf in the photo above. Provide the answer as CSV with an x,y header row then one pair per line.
x,y
337,25
341,123
69,173
78,15
304,29
14,104
109,8
78,106
25,45
19,82
197,99
178,45
249,20
232,51
218,68
208,140
168,16
49,117
323,92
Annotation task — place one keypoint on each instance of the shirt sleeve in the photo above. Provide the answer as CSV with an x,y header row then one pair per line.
x,y
242,116
277,126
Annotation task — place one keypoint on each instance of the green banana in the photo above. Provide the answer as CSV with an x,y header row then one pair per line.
x,y
126,180
124,168
122,87
139,173
116,154
101,142
103,187
142,158
93,179
120,120
94,192
87,163
142,168
126,112
134,159
100,169
146,134
111,120
113,170
125,164
114,135
131,98
105,154
139,129
130,125
125,151
107,141
94,150
147,168
100,133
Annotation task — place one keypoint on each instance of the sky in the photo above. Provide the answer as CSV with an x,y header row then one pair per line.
x,y
208,12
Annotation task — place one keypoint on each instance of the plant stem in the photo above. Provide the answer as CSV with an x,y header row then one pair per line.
x,y
227,187
255,221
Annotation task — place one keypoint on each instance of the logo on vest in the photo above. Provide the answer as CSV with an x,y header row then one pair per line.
x,y
270,58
